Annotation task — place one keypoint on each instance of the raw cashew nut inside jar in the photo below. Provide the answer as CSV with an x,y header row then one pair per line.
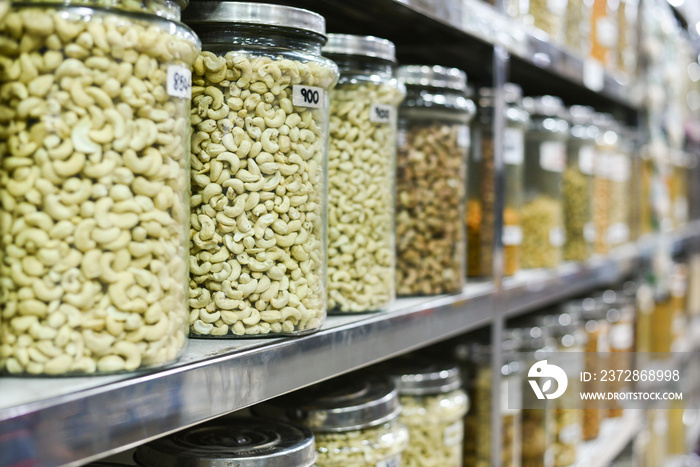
x,y
93,185
259,123
361,174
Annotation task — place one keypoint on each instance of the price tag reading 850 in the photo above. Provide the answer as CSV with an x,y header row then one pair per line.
x,y
179,82
307,96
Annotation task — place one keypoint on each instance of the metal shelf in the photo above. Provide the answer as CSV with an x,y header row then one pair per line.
x,y
615,435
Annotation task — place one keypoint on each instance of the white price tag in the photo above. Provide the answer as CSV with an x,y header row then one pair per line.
x,y
618,233
307,96
390,462
179,82
453,434
621,336
606,31
557,236
381,113
605,165
512,235
593,75
557,7
589,232
513,146
586,159
463,139
570,434
553,156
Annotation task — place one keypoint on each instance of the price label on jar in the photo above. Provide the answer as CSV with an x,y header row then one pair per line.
x,y
381,113
556,7
513,146
621,168
618,233
307,96
557,236
621,336
453,434
512,235
586,159
553,156
606,31
463,137
179,82
394,461
589,232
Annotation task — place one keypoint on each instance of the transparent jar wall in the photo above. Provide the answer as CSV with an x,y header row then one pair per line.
x,y
481,212
362,180
578,14
94,197
435,428
258,183
542,213
604,35
362,448
596,346
618,229
550,17
627,57
512,229
568,421
431,179
477,423
4,8
578,199
602,196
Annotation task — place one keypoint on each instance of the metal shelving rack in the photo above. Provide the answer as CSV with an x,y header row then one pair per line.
x,y
70,421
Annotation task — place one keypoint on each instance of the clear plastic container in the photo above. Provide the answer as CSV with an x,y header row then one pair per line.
x,y
578,185
433,143
569,336
362,174
243,442
604,32
94,186
475,361
606,153
542,214
354,419
433,405
480,200
259,156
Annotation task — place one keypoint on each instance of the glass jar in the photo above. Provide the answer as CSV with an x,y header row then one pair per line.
x,y
578,184
646,212
627,37
679,189
259,154
354,419
620,313
606,153
596,328
433,143
362,174
578,14
550,17
94,186
604,32
545,160
480,203
243,442
475,361
537,431
620,172
569,338
433,405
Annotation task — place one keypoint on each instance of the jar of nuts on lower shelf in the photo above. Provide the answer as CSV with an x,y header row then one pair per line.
x,y
433,142
259,153
94,185
362,174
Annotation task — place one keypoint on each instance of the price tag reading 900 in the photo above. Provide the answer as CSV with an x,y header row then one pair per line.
x,y
307,96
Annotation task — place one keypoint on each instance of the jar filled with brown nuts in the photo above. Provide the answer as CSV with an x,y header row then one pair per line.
x,y
480,216
542,214
474,359
433,141
569,340
578,184
362,174
94,185
259,155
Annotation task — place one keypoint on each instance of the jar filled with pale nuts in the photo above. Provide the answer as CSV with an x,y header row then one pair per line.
x,y
433,142
362,174
433,405
578,184
354,419
480,216
94,185
550,17
243,442
542,214
620,202
569,340
474,359
259,152
607,150
4,8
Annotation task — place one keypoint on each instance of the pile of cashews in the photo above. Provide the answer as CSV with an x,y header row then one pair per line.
x,y
361,176
93,214
4,7
377,445
256,250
